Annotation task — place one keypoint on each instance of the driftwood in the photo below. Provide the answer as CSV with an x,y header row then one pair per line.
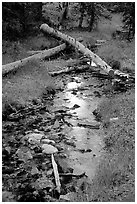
x,y
56,174
72,41
46,53
67,70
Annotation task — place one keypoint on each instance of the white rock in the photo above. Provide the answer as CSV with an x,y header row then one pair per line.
x,y
34,137
47,141
49,149
67,197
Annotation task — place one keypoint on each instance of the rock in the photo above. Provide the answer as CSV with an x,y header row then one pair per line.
x,y
44,183
24,154
64,197
77,171
97,94
49,149
7,196
33,141
63,155
34,138
67,197
56,124
113,119
63,165
75,106
49,172
70,142
47,141
34,170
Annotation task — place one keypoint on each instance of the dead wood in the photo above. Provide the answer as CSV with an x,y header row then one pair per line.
x,y
56,174
88,53
33,52
72,175
46,53
72,41
67,70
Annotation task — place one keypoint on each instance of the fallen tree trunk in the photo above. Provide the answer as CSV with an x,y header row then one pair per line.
x,y
39,54
33,52
46,53
46,29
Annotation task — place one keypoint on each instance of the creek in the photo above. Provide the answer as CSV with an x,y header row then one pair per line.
x,y
83,141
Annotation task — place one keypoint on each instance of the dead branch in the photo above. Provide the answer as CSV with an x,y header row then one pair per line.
x,y
69,69
72,175
56,174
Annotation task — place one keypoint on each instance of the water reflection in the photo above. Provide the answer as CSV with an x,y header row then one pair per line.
x,y
85,155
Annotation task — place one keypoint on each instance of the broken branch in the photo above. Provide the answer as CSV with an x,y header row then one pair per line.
x,y
56,174
69,69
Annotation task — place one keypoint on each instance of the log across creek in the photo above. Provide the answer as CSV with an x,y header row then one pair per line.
x,y
79,46
67,40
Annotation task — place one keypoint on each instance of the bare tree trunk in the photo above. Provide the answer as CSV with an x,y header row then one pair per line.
x,y
81,20
64,13
46,53
46,29
92,17
82,10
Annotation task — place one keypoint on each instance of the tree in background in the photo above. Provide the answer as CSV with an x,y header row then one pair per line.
x,y
92,11
95,11
127,10
82,10
129,18
64,10
18,16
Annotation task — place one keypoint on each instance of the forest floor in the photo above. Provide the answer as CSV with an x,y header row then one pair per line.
x,y
62,110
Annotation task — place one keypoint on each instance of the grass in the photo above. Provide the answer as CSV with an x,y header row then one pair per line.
x,y
115,176
29,82
116,172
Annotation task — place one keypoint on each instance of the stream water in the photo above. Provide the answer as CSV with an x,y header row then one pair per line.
x,y
83,141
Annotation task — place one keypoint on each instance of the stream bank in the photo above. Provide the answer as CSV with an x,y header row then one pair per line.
x,y
68,120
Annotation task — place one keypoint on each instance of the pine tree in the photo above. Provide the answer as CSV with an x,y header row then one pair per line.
x,y
129,18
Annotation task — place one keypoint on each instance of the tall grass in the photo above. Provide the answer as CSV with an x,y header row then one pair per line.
x,y
29,82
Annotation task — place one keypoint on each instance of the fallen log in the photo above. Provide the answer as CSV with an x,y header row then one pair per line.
x,y
72,41
56,174
33,52
46,53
